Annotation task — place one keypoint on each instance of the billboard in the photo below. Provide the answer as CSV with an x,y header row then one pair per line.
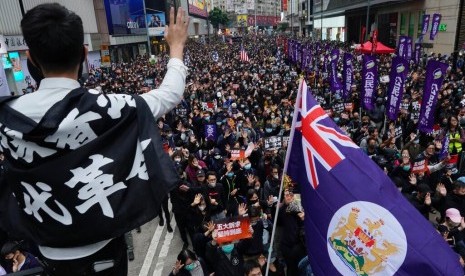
x,y
156,24
198,8
125,17
16,64
242,20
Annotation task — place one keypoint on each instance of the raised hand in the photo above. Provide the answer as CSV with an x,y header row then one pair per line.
x,y
176,33
197,199
177,267
441,189
242,209
428,199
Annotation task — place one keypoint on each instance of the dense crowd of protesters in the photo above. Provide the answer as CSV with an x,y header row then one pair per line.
x,y
249,102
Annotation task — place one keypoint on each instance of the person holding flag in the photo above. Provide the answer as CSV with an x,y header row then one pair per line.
x,y
356,220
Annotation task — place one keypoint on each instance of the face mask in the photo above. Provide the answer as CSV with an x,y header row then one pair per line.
x,y
239,125
217,157
190,266
177,159
248,166
257,188
227,249
230,174
183,136
246,111
212,185
202,207
406,168
268,130
273,116
207,118
276,176
218,123
192,97
35,72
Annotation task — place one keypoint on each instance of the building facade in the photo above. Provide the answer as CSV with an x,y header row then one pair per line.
x,y
348,20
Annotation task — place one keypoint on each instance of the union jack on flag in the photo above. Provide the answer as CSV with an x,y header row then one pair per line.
x,y
243,54
318,140
344,192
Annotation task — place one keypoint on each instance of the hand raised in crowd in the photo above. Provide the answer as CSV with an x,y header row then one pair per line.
x,y
233,192
176,33
301,215
210,226
213,201
177,267
197,199
428,199
242,209
441,189
412,179
251,178
270,200
462,224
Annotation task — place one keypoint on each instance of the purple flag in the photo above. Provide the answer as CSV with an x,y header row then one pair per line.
x,y
369,81
335,83
401,48
356,221
399,71
210,132
425,27
289,49
347,75
435,25
409,52
445,147
417,52
435,72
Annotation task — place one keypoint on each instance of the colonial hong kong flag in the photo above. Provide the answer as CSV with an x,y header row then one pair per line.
x,y
243,54
356,221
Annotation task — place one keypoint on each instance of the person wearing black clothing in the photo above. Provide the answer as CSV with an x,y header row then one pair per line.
x,y
188,264
180,201
231,189
290,218
227,259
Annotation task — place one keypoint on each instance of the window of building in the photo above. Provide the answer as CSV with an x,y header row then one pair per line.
x,y
411,24
403,23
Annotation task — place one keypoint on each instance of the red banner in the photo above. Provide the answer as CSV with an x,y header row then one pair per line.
x,y
284,5
229,230
237,154
263,20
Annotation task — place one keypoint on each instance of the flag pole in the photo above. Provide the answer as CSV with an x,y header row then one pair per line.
x,y
286,163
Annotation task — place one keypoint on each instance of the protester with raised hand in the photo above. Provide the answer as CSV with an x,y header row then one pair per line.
x,y
71,137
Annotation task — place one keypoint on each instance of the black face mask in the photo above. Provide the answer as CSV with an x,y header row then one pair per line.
x,y
38,76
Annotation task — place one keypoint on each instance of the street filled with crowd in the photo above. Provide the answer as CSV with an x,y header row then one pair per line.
x,y
228,140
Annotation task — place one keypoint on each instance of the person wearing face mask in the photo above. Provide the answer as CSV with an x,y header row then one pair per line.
x,y
231,189
72,243
215,161
272,183
246,177
189,264
199,214
216,196
17,258
227,259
